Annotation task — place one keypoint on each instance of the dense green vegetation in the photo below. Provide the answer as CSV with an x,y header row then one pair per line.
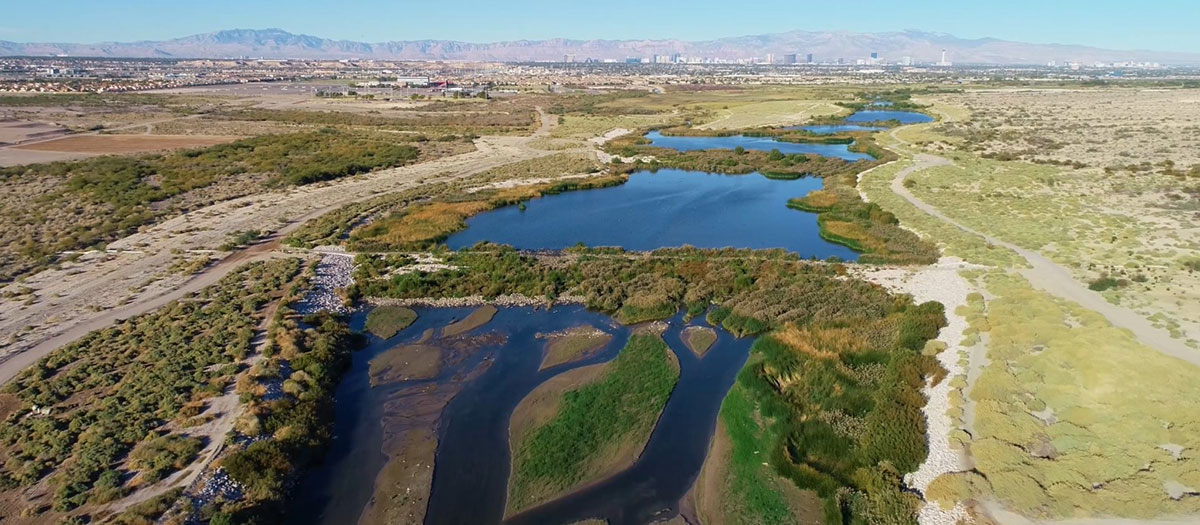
x,y
846,219
73,205
749,494
307,357
385,321
110,393
753,290
593,419
836,381
843,403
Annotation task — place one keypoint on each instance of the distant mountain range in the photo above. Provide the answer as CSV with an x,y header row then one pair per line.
x,y
824,46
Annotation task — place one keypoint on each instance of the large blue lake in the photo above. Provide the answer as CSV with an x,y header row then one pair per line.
x,y
669,208
840,151
905,117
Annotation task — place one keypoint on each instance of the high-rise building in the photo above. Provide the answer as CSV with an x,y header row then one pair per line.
x,y
808,58
874,55
906,61
770,58
568,58
944,62
789,58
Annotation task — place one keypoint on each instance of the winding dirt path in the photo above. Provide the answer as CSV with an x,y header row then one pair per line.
x,y
134,277
1053,278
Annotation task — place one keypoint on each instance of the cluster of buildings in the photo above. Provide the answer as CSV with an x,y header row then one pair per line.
x,y
1076,66
398,78
787,59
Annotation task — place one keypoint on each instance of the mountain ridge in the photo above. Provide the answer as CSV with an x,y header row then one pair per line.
x,y
922,46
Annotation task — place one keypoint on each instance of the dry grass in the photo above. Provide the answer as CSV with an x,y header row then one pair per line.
x,y
423,223
771,113
1099,127
1105,408
1120,225
117,144
821,198
548,167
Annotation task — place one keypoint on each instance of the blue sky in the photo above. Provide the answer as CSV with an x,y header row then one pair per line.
x,y
1169,25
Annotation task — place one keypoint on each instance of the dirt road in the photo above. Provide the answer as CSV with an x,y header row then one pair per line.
x,y
102,288
1050,277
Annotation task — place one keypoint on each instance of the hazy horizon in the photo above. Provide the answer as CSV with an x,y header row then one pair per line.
x,y
1104,24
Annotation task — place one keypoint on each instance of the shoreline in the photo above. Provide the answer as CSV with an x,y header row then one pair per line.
x,y
510,300
940,282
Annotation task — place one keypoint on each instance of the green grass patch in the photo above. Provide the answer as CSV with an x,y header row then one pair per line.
x,y
594,420
750,495
386,321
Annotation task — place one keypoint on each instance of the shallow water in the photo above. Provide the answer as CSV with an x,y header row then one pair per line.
x,y
904,117
472,460
840,151
652,488
668,208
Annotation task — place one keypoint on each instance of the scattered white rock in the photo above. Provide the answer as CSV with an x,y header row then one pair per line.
x,y
332,273
940,282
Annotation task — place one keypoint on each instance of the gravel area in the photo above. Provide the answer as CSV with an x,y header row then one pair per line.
x,y
332,274
940,282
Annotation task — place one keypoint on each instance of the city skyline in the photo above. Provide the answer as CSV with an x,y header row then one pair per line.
x,y
1114,25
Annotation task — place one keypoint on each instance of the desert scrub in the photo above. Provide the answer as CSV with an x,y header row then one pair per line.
x,y
73,205
294,427
875,184
1060,433
108,391
385,321
620,407
494,118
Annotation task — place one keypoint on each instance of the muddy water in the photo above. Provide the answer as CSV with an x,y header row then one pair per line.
x,y
472,461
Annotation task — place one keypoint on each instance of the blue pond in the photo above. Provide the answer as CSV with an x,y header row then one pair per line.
x,y
829,129
840,151
665,209
905,117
